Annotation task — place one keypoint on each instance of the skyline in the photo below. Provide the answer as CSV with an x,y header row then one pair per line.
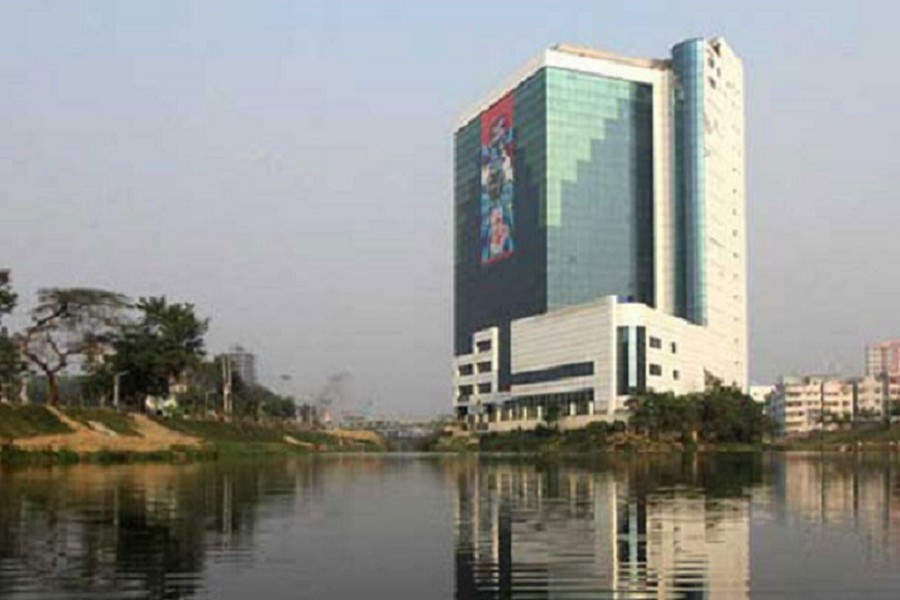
x,y
140,135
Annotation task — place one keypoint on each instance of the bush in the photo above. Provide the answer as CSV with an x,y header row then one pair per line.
x,y
599,427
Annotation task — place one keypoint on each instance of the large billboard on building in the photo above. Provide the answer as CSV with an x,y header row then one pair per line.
x,y
498,150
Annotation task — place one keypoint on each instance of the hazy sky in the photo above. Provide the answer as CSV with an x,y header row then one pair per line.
x,y
286,166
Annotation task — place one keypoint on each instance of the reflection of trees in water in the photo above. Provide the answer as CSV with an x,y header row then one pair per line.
x,y
649,525
143,529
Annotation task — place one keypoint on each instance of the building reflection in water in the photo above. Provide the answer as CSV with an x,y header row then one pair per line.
x,y
672,527
856,492
525,531
645,527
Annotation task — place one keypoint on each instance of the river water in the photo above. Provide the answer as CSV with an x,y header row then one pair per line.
x,y
394,526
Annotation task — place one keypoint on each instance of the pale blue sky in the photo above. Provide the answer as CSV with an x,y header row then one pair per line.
x,y
286,166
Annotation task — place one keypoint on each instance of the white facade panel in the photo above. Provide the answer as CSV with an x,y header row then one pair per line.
x,y
572,335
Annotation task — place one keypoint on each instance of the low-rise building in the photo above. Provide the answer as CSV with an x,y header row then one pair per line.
x,y
801,405
580,364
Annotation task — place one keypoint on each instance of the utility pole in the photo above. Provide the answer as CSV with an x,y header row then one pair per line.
x,y
23,388
116,378
226,384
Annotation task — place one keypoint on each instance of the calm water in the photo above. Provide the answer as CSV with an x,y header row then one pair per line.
x,y
441,527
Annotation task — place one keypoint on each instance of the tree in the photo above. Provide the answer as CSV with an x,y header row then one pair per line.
x,y
164,343
258,401
11,366
656,414
729,415
553,414
7,296
67,323
894,408
720,414
11,363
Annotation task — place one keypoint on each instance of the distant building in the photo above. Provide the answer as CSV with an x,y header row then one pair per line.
x,y
308,414
801,405
600,236
883,357
243,364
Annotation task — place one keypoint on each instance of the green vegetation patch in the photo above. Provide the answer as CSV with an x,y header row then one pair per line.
x,y
874,436
111,419
596,437
29,421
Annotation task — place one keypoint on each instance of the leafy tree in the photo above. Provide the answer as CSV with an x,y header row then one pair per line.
x,y
258,401
204,387
11,363
895,408
163,344
68,323
729,415
97,383
554,411
720,414
8,297
656,414
11,366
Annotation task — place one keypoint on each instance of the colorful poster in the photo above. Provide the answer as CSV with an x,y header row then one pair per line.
x,y
498,150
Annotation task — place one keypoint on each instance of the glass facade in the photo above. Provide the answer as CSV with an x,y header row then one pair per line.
x,y
582,200
599,206
688,64
631,360
496,293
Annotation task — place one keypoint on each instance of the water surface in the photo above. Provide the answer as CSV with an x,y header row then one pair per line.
x,y
746,526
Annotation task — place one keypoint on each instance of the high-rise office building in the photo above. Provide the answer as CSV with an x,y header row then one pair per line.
x,y
243,363
600,235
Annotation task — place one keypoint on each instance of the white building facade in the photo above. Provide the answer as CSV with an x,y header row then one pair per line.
x,y
600,236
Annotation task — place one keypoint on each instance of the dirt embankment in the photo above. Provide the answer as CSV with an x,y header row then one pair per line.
x,y
151,437
359,436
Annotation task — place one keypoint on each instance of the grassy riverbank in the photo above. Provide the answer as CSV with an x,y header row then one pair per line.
x,y
594,439
226,438
875,438
42,435
29,421
546,441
